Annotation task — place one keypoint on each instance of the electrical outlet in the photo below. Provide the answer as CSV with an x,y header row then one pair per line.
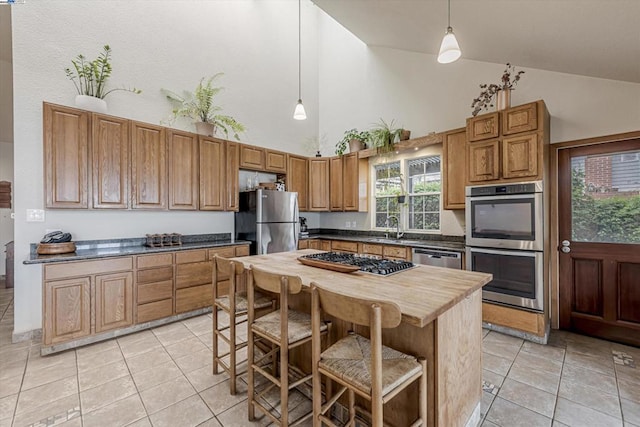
x,y
35,215
347,224
353,224
13,215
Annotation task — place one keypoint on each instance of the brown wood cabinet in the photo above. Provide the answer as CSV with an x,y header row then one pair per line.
x,y
318,184
182,153
517,153
66,145
275,161
336,202
251,157
454,168
344,246
114,301
154,287
67,310
232,155
193,275
148,166
355,174
212,174
110,162
297,180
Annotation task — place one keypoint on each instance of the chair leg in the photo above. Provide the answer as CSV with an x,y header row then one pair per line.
x,y
284,387
423,391
250,379
232,352
377,415
352,408
215,339
317,396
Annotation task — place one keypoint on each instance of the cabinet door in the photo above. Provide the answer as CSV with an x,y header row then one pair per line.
x,y
251,157
183,170
67,310
197,273
212,174
319,184
325,245
148,166
335,190
354,174
303,244
454,165
232,154
114,301
523,118
297,180
315,244
66,144
110,166
483,127
484,161
520,156
275,161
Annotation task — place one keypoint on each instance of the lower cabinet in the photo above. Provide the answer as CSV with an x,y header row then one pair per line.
x,y
67,310
154,286
114,301
193,281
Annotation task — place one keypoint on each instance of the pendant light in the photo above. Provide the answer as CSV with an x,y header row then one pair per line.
x,y
299,113
449,49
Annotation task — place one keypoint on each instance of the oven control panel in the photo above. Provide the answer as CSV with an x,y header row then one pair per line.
x,y
497,190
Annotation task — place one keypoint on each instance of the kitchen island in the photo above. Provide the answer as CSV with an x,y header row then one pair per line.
x,y
441,320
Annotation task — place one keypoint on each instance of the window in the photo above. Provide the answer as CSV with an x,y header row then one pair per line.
x,y
421,212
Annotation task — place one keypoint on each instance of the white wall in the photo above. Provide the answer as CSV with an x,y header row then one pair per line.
x,y
6,223
160,44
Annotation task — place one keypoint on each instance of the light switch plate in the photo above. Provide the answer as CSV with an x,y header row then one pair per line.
x,y
35,215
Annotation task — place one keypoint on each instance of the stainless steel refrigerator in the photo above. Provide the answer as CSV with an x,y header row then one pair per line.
x,y
269,220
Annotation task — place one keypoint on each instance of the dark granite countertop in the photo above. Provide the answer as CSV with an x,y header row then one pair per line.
x,y
452,243
92,249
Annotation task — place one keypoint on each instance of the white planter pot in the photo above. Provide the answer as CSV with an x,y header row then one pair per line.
x,y
207,129
91,103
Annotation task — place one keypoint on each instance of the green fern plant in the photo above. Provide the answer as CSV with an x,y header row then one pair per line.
x,y
90,77
383,136
199,105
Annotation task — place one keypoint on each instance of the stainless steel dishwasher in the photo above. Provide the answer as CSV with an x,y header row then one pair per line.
x,y
437,258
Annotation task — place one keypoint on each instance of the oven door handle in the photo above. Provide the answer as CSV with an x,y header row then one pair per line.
x,y
531,254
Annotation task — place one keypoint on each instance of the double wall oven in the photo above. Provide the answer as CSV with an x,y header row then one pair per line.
x,y
505,237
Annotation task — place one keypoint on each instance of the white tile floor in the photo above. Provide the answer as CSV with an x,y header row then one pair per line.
x,y
162,377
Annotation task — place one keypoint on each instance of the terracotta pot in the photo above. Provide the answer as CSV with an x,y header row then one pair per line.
x,y
207,129
355,145
405,134
91,103
503,99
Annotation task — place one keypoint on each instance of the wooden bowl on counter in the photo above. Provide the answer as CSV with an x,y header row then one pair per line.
x,y
56,248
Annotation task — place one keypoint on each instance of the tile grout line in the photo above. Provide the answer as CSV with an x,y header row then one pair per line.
x,y
134,384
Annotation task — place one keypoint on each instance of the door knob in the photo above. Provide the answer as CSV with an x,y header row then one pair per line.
x,y
565,249
566,243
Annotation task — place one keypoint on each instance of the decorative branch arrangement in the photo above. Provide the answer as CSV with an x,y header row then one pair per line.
x,y
508,81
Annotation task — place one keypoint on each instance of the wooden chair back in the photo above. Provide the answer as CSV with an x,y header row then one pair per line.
x,y
275,282
223,269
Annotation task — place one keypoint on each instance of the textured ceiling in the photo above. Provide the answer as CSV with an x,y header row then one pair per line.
x,y
598,38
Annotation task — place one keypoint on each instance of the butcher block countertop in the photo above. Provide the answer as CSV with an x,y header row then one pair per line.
x,y
423,293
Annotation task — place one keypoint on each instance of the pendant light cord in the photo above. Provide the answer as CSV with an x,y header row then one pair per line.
x,y
449,14
299,54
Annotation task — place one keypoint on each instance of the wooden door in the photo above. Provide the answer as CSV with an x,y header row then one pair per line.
x,y
599,231
66,151
454,167
183,170
350,182
523,118
297,180
336,182
232,154
148,166
275,161
483,127
484,161
67,310
251,157
114,301
212,174
110,162
319,184
520,156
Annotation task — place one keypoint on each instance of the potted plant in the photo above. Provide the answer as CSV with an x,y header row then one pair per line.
x,y
90,79
199,105
502,91
383,136
356,139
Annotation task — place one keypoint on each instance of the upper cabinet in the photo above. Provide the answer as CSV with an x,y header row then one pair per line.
x,y
275,161
212,174
318,184
183,170
508,146
66,148
335,186
232,155
251,157
148,166
298,180
355,172
454,168
110,162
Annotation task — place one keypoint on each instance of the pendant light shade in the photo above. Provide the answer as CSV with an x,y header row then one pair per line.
x,y
449,49
299,113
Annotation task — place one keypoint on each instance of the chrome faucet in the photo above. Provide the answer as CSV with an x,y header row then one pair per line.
x,y
399,233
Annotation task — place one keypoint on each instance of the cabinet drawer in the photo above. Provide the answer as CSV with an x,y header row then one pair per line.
x,y
155,310
154,275
87,268
370,249
338,245
193,298
399,252
155,291
242,250
157,260
225,252
276,161
483,127
197,273
191,256
520,119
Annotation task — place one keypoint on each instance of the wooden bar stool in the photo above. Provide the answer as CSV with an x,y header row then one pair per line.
x,y
283,329
235,304
359,365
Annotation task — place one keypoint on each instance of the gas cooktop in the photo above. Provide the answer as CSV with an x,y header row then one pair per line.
x,y
367,263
